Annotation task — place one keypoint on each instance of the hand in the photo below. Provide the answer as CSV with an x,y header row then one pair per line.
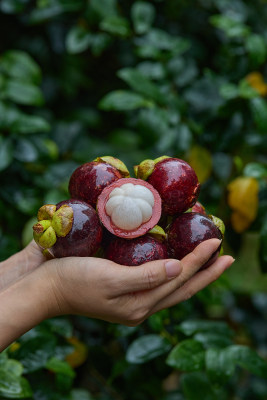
x,y
99,288
20,264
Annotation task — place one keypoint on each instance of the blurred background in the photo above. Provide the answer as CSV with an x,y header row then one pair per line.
x,y
136,80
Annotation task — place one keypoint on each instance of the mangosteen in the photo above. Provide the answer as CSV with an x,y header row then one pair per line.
x,y
136,251
174,179
70,228
187,231
87,181
129,207
199,208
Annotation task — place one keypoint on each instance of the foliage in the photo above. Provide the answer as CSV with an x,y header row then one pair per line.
x,y
136,80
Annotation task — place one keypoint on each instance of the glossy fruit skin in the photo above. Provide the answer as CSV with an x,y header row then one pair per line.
x,y
85,236
136,251
177,185
187,231
199,208
87,181
106,220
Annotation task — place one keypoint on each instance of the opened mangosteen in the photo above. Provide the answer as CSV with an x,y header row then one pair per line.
x,y
136,251
87,181
129,207
70,228
187,231
174,179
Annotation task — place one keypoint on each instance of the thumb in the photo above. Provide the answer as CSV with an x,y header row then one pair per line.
x,y
148,275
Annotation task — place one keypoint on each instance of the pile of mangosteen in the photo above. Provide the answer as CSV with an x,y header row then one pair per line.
x,y
128,220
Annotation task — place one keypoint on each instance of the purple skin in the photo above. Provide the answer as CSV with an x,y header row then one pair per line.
x,y
177,185
187,231
136,251
88,181
85,236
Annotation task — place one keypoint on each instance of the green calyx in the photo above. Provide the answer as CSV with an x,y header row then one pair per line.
x,y
51,224
116,163
219,223
146,167
158,233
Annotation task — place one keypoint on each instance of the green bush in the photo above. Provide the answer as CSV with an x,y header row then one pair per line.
x,y
137,80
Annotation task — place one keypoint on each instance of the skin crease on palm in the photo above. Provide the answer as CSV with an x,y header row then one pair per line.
x,y
32,289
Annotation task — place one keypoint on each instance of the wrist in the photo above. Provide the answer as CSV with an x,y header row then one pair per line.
x,y
24,304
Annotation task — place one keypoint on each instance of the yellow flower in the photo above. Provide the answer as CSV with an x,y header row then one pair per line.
x,y
243,200
256,81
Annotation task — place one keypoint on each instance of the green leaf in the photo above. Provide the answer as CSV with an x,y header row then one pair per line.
x,y
25,151
152,70
80,394
143,14
246,91
141,84
256,170
191,327
258,108
6,152
230,26
156,41
223,362
146,348
122,100
116,26
23,93
13,6
29,124
35,352
20,66
188,356
105,8
256,48
13,386
229,91
211,339
60,326
60,367
78,40
196,386
49,9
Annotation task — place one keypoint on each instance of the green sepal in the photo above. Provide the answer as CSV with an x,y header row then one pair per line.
x,y
219,223
116,163
46,239
144,169
62,220
158,233
161,158
46,212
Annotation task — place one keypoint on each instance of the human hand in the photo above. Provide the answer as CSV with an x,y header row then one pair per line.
x,y
20,264
101,289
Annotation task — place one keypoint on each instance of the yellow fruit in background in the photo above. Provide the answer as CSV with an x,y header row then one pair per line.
x,y
201,161
14,346
79,355
256,81
243,200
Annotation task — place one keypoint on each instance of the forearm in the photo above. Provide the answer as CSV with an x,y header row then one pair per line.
x,y
24,304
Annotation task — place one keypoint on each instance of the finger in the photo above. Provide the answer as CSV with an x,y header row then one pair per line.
x,y
145,276
155,273
195,284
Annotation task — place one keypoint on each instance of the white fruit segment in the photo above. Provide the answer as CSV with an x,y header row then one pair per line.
x,y
129,206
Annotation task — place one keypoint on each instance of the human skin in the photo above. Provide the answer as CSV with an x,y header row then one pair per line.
x,y
32,290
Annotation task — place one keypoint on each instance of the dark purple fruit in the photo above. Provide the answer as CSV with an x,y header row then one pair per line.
x,y
88,180
136,251
175,181
187,231
71,228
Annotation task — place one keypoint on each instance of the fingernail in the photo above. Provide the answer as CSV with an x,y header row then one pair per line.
x,y
228,266
173,268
